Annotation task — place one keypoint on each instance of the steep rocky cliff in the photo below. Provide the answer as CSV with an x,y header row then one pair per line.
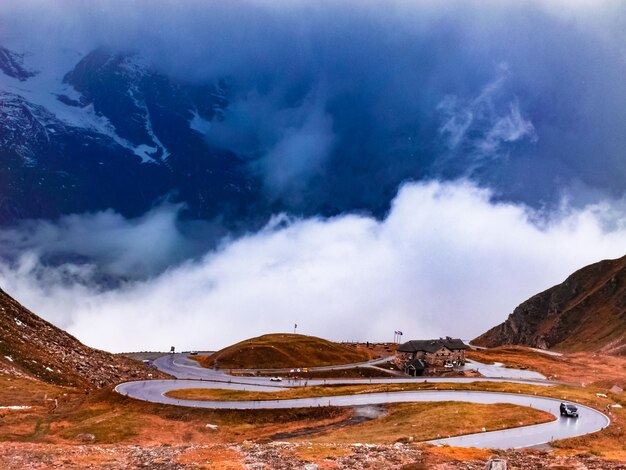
x,y
32,347
587,312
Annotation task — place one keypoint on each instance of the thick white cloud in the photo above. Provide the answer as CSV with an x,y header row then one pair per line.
x,y
445,261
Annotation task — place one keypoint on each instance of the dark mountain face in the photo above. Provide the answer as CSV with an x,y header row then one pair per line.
x,y
50,168
587,312
323,122
146,149
136,136
114,132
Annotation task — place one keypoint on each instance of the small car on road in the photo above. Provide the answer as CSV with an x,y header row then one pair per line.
x,y
276,379
567,409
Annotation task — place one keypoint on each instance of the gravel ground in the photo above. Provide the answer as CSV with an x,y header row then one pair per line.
x,y
270,456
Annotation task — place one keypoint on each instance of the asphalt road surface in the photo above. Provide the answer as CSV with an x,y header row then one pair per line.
x,y
190,375
181,367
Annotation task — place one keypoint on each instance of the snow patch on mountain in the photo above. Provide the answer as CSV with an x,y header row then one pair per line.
x,y
62,101
199,124
143,149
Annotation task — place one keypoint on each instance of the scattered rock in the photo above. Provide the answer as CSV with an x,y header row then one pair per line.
x,y
86,437
28,456
496,464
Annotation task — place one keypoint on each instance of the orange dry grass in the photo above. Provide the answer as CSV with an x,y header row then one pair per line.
x,y
22,391
462,454
408,422
220,457
317,453
112,418
587,368
200,457
218,394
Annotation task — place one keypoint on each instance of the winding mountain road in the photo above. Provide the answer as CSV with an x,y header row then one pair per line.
x,y
190,375
181,367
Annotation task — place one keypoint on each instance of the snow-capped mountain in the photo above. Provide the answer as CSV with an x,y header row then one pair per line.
x,y
106,130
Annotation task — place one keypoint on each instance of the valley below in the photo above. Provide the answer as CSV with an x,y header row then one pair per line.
x,y
77,427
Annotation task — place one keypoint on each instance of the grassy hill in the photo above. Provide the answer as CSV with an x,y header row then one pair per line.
x,y
275,351
587,312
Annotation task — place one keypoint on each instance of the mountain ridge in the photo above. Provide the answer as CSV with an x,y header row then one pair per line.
x,y
586,312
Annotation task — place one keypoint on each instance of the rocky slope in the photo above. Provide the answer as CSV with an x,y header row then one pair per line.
x,y
587,312
32,347
284,456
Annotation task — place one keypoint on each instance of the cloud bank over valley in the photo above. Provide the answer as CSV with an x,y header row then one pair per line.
x,y
426,268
